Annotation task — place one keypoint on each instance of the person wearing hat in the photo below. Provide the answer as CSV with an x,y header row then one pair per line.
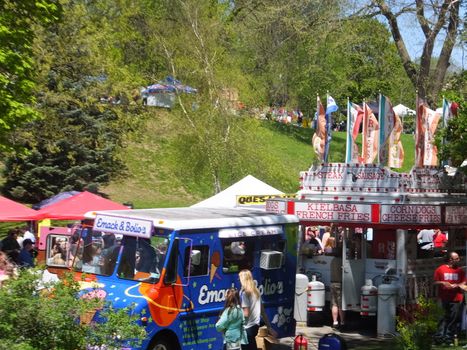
x,y
26,258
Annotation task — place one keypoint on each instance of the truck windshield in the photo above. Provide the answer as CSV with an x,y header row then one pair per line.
x,y
97,253
142,259
93,252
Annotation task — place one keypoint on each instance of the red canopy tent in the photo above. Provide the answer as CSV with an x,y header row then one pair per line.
x,y
75,207
13,211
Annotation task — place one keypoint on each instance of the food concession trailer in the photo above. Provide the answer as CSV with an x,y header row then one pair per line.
x,y
375,214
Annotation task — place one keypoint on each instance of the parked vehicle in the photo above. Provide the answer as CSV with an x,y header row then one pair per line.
x,y
175,266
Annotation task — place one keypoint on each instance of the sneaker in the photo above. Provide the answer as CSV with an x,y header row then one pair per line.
x,y
335,326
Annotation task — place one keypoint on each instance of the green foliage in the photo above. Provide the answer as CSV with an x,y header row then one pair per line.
x,y
73,146
418,325
48,318
74,150
452,140
265,52
17,22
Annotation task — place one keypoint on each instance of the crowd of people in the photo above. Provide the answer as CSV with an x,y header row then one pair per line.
x,y
17,250
19,247
243,311
298,118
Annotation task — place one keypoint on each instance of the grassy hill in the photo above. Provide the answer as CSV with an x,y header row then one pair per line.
x,y
154,179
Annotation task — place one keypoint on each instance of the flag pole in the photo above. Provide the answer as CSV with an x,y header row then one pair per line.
x,y
364,131
328,130
348,150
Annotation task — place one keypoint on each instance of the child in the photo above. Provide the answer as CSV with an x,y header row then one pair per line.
x,y
231,322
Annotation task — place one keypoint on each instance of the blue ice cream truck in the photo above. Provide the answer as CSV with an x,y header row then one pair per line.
x,y
175,266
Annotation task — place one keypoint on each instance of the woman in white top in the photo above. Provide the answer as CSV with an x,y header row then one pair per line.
x,y
251,305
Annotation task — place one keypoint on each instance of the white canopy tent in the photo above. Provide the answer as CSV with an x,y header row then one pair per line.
x,y
402,110
248,186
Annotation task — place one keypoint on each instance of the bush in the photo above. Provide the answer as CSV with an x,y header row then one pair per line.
x,y
33,317
417,325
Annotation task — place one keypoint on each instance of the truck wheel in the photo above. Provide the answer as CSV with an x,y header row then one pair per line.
x,y
162,344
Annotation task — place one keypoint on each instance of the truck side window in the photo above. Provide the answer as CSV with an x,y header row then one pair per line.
x,y
142,259
57,250
238,255
197,265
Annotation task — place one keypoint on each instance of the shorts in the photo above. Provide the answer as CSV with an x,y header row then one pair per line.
x,y
336,294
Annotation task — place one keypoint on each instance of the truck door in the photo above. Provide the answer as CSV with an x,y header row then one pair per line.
x,y
353,268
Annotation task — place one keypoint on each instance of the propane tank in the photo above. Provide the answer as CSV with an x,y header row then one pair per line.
x,y
315,295
300,343
369,299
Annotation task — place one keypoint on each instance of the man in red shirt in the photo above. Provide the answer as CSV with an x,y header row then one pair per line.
x,y
450,280
439,239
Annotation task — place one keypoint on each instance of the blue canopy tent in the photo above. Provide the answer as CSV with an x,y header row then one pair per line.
x,y
159,88
54,199
159,95
162,94
177,84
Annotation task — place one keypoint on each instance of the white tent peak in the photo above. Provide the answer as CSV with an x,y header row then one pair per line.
x,y
227,198
402,110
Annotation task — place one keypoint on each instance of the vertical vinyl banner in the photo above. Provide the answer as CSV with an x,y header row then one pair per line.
x,y
396,151
331,107
319,137
431,119
386,123
354,120
370,136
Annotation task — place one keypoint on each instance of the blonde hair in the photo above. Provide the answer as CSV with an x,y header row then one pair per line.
x,y
330,243
248,284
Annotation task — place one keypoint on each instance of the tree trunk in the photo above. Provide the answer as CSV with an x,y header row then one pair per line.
x,y
428,85
448,45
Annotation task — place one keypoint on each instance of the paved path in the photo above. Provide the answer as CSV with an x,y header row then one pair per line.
x,y
354,337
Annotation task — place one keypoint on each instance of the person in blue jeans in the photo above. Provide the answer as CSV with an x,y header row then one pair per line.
x,y
450,280
251,305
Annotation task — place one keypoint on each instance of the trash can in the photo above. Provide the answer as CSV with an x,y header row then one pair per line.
x,y
387,299
300,303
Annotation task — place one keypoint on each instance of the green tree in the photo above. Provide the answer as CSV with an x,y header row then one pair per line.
x,y
279,48
73,149
452,140
18,20
74,145
34,317
198,42
297,49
